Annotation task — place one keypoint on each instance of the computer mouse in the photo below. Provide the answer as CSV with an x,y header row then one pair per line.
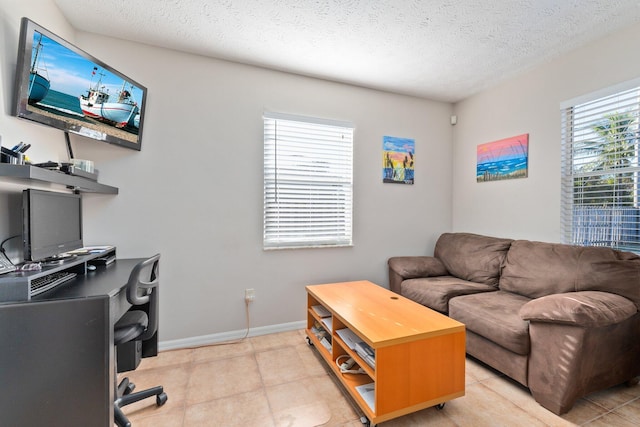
x,y
91,267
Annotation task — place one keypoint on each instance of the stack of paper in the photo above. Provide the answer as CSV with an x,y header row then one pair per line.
x,y
349,337
321,311
326,343
328,321
368,393
367,353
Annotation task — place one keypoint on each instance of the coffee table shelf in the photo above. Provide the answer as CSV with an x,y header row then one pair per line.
x,y
419,353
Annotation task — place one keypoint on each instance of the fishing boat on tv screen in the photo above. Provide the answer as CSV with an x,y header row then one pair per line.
x,y
98,104
60,85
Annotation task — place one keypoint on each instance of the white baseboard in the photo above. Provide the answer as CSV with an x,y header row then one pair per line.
x,y
229,336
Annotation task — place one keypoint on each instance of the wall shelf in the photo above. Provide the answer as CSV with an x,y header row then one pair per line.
x,y
32,174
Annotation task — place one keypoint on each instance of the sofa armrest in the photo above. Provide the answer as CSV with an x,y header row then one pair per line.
x,y
585,308
410,267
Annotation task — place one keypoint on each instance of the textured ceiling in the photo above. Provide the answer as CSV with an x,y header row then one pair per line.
x,y
439,49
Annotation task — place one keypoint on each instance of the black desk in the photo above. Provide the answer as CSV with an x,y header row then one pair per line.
x,y
56,351
108,280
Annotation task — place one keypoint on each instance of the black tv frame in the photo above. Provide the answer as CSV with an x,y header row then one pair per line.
x,y
83,126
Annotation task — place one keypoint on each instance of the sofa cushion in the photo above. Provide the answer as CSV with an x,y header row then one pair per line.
x,y
619,274
589,309
435,292
472,257
536,269
494,316
409,267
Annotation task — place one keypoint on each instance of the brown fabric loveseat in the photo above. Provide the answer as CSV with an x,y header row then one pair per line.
x,y
562,320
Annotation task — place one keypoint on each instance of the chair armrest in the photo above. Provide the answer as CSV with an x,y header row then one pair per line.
x,y
410,267
585,308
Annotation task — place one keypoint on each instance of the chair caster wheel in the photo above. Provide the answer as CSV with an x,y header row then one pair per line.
x,y
161,399
440,406
129,388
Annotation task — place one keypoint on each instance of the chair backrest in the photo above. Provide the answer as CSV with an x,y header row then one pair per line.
x,y
142,288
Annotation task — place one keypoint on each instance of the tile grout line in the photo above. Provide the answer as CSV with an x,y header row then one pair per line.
x,y
612,411
263,385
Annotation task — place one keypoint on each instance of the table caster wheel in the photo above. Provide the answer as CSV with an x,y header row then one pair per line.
x,y
309,342
440,406
365,421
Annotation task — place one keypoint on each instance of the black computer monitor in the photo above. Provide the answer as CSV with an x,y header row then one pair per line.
x,y
51,223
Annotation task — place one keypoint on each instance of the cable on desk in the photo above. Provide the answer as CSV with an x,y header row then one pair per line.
x,y
2,248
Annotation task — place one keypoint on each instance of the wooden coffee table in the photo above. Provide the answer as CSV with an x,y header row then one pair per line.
x,y
419,353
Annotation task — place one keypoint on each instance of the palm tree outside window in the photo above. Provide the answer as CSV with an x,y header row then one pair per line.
x,y
600,169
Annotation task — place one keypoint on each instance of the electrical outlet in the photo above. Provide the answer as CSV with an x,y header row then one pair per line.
x,y
249,294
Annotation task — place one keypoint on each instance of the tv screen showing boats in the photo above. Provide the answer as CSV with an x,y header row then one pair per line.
x,y
60,85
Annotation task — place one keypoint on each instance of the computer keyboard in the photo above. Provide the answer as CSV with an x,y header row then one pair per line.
x,y
44,283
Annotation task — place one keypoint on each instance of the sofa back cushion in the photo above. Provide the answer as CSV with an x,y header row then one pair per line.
x,y
472,257
536,269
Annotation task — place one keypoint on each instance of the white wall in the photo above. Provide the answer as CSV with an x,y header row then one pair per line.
x,y
194,192
530,208
11,131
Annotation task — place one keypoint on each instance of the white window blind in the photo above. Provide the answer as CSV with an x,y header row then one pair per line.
x,y
600,171
307,182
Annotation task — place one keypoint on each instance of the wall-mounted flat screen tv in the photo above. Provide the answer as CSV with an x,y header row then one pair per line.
x,y
60,85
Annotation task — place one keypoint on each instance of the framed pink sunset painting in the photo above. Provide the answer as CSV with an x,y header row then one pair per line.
x,y
504,159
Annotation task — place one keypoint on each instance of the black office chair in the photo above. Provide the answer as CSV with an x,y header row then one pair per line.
x,y
137,325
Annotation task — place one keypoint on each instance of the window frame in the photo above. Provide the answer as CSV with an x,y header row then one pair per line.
x,y
600,192
308,182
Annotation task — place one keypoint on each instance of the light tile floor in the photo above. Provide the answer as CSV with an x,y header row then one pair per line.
x,y
278,380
